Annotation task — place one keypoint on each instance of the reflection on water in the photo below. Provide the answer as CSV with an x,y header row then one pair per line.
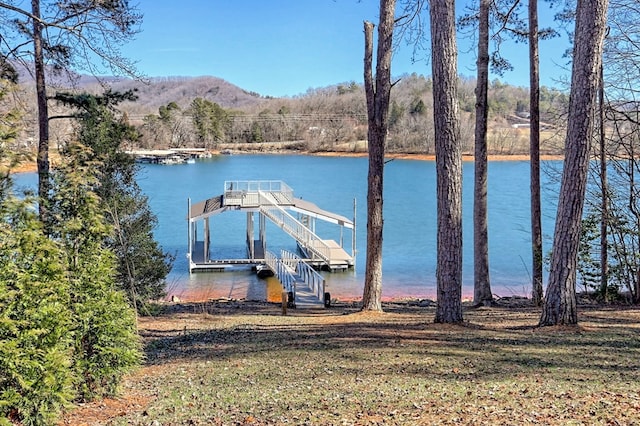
x,y
274,289
343,286
241,284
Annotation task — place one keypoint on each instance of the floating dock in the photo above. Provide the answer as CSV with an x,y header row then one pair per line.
x,y
168,156
273,201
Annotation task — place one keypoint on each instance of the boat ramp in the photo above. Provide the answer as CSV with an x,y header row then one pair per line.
x,y
273,201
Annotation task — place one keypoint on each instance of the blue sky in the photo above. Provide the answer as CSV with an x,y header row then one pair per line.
x,y
285,47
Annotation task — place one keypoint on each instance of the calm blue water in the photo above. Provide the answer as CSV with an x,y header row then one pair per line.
x,y
409,246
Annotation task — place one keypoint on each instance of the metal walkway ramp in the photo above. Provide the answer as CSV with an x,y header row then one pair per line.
x,y
328,251
304,285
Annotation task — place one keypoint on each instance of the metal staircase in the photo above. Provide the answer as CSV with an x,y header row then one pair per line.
x,y
309,241
304,285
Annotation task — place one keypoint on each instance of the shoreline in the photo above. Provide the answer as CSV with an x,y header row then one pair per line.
x,y
31,166
432,157
337,298
407,302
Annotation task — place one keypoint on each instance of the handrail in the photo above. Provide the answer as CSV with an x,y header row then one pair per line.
x,y
285,275
246,193
295,228
257,185
310,276
289,259
288,266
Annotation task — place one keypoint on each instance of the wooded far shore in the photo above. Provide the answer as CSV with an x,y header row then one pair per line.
x,y
31,167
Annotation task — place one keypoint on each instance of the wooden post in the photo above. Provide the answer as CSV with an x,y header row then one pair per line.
x,y
285,298
189,233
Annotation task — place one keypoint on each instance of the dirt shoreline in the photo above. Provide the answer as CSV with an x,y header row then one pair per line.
x,y
31,166
432,157
393,304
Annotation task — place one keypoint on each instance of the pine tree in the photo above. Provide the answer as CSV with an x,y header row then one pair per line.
x,y
142,264
35,347
105,340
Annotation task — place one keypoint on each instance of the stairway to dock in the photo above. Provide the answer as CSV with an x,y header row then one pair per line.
x,y
328,251
305,286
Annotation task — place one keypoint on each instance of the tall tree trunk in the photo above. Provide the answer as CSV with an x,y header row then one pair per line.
x,y
534,154
378,118
43,115
448,161
481,283
560,300
604,202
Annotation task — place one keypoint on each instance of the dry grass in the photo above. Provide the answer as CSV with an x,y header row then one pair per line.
x,y
246,364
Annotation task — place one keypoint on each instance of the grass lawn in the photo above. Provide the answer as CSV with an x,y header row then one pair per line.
x,y
246,364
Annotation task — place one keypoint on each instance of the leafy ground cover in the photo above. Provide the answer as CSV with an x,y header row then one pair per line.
x,y
243,363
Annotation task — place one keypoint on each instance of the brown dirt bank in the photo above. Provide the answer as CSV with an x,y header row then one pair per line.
x,y
432,157
30,166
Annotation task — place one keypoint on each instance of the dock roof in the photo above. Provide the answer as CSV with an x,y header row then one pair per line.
x,y
309,208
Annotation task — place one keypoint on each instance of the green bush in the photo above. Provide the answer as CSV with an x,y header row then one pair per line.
x,y
35,351
66,331
106,343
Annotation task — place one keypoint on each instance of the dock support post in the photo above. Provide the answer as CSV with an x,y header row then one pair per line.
x,y
189,232
354,251
207,237
250,239
262,224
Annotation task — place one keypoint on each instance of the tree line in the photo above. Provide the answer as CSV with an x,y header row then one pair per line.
x,y
334,118
590,118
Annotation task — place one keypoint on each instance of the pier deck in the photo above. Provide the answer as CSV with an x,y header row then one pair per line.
x,y
273,201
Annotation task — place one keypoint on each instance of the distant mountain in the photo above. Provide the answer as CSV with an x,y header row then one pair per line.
x,y
160,91
155,91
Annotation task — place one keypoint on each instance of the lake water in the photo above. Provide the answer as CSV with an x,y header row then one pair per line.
x,y
333,183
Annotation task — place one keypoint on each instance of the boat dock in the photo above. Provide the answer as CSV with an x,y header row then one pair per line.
x,y
168,156
273,201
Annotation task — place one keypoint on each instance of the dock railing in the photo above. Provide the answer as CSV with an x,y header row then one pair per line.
x,y
285,275
295,228
310,276
246,193
288,266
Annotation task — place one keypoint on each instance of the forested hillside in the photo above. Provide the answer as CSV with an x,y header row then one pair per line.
x,y
211,113
334,118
